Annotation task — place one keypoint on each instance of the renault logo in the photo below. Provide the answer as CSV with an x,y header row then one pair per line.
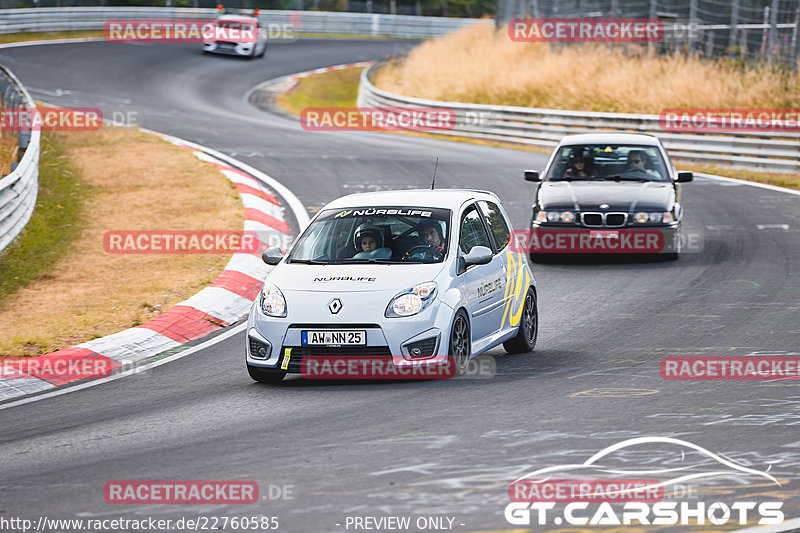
x,y
335,306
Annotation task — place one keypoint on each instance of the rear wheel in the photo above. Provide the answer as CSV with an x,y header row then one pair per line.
x,y
525,341
460,343
263,376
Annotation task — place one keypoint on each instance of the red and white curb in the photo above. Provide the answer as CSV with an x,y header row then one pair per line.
x,y
323,70
220,304
284,83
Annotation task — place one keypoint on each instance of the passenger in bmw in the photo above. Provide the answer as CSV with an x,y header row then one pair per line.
x,y
581,167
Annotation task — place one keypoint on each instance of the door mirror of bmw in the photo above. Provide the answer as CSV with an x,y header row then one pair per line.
x,y
532,175
479,255
683,177
272,256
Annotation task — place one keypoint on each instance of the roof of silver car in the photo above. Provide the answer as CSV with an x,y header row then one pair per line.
x,y
444,198
611,138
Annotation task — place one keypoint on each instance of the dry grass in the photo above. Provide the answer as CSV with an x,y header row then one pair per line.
x,y
478,65
46,36
8,152
137,182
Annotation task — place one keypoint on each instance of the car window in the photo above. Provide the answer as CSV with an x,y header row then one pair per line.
x,y
607,161
390,233
473,232
496,222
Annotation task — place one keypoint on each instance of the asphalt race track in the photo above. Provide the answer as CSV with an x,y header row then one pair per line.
x,y
423,448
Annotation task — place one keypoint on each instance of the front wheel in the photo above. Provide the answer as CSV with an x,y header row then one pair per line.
x,y
460,342
262,376
525,341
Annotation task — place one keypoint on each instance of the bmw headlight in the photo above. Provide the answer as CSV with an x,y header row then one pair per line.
x,y
412,300
644,217
566,217
272,301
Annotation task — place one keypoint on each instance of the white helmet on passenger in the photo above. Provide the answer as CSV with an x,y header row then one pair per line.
x,y
368,230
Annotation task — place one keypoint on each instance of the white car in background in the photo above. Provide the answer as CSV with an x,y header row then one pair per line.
x,y
238,35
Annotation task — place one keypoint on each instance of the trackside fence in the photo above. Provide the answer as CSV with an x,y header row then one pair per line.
x,y
18,188
51,19
770,152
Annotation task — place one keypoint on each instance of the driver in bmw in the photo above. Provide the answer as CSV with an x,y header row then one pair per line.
x,y
637,164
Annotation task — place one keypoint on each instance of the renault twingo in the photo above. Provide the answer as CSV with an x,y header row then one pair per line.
x,y
424,276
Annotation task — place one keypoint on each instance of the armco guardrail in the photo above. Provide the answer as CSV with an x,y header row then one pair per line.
x,y
772,152
18,189
322,22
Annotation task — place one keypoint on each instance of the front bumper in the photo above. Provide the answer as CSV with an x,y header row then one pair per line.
x,y
570,239
420,340
230,49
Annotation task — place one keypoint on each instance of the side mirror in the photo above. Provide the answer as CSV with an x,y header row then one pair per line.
x,y
683,177
272,256
479,255
532,175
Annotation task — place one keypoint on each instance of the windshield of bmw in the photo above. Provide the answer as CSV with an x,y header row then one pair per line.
x,y
375,235
611,162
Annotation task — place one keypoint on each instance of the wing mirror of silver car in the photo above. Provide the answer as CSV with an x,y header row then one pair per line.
x,y
532,175
683,177
272,256
479,255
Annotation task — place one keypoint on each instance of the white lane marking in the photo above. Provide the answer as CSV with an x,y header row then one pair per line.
x,y
773,226
787,525
229,333
53,41
751,183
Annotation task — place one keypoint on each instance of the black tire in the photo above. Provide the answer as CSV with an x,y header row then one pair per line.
x,y
263,376
460,346
528,332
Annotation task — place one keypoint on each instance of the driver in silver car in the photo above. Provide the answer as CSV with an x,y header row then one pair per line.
x,y
431,233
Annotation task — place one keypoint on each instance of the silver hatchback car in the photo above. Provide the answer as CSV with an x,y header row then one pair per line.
x,y
424,277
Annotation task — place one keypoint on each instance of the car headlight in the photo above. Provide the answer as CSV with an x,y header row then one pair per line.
x,y
412,300
567,217
644,217
272,301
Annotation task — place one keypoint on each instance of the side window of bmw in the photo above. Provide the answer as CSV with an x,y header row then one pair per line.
x,y
496,222
473,233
